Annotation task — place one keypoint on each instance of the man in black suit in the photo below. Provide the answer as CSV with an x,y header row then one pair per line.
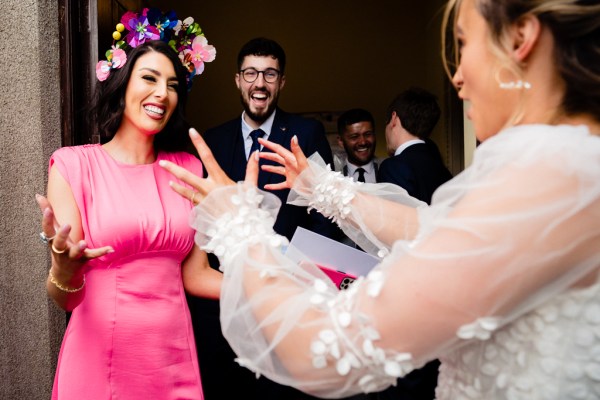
x,y
260,78
415,164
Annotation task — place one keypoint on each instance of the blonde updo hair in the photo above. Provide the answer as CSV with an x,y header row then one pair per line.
x,y
575,26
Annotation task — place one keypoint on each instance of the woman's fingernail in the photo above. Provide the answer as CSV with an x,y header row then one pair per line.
x,y
295,139
194,132
162,163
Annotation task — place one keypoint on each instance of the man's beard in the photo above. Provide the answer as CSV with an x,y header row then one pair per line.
x,y
262,117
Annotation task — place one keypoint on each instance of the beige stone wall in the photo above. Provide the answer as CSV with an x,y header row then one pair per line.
x,y
30,326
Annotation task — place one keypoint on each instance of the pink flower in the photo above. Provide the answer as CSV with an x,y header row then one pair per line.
x,y
200,53
119,58
129,15
102,70
116,59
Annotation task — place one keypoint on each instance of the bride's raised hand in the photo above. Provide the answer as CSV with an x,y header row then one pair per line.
x,y
201,187
291,163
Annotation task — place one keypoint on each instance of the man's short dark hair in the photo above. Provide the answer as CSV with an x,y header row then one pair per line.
x,y
354,116
418,111
262,47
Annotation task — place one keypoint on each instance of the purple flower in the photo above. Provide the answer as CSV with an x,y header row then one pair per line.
x,y
139,29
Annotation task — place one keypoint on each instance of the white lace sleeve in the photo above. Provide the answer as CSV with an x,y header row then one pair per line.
x,y
494,245
367,221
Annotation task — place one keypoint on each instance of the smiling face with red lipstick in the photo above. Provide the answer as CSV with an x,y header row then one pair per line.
x,y
151,94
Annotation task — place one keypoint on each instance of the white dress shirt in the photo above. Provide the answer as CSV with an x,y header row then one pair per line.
x,y
370,172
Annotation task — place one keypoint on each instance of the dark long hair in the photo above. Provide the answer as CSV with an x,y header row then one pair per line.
x,y
109,100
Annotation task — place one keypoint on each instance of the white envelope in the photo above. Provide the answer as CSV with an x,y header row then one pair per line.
x,y
329,253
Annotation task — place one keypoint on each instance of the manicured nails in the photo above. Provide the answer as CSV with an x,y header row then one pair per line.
x,y
194,133
82,245
295,139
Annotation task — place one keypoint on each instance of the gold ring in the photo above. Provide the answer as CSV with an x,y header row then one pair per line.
x,y
192,198
56,251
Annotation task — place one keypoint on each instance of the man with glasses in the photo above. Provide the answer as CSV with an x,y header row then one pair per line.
x,y
260,77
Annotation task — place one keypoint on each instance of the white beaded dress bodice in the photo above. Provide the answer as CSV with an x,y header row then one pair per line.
x,y
530,358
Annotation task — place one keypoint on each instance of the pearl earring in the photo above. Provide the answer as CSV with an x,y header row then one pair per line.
x,y
515,85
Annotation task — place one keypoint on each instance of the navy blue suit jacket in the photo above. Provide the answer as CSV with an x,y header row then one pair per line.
x,y
419,169
227,145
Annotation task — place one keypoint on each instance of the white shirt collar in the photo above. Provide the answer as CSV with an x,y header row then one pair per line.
x,y
265,126
404,145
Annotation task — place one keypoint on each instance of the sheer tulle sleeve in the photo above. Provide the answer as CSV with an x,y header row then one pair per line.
x,y
367,222
509,233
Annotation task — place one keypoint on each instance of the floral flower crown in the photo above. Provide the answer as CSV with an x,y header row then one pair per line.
x,y
185,37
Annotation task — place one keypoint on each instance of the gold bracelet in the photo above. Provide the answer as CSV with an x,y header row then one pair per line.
x,y
65,288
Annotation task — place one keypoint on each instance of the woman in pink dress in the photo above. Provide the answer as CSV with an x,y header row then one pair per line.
x,y
121,239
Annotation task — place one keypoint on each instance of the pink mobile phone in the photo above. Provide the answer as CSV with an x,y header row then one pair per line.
x,y
341,279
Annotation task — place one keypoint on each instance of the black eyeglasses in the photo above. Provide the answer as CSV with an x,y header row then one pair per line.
x,y
270,75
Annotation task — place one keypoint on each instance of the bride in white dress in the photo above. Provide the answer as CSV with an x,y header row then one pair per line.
x,y
498,278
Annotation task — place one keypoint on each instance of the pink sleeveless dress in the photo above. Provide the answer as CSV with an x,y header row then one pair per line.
x,y
131,337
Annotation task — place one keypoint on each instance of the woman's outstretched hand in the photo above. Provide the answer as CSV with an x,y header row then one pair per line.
x,y
201,187
292,163
68,255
